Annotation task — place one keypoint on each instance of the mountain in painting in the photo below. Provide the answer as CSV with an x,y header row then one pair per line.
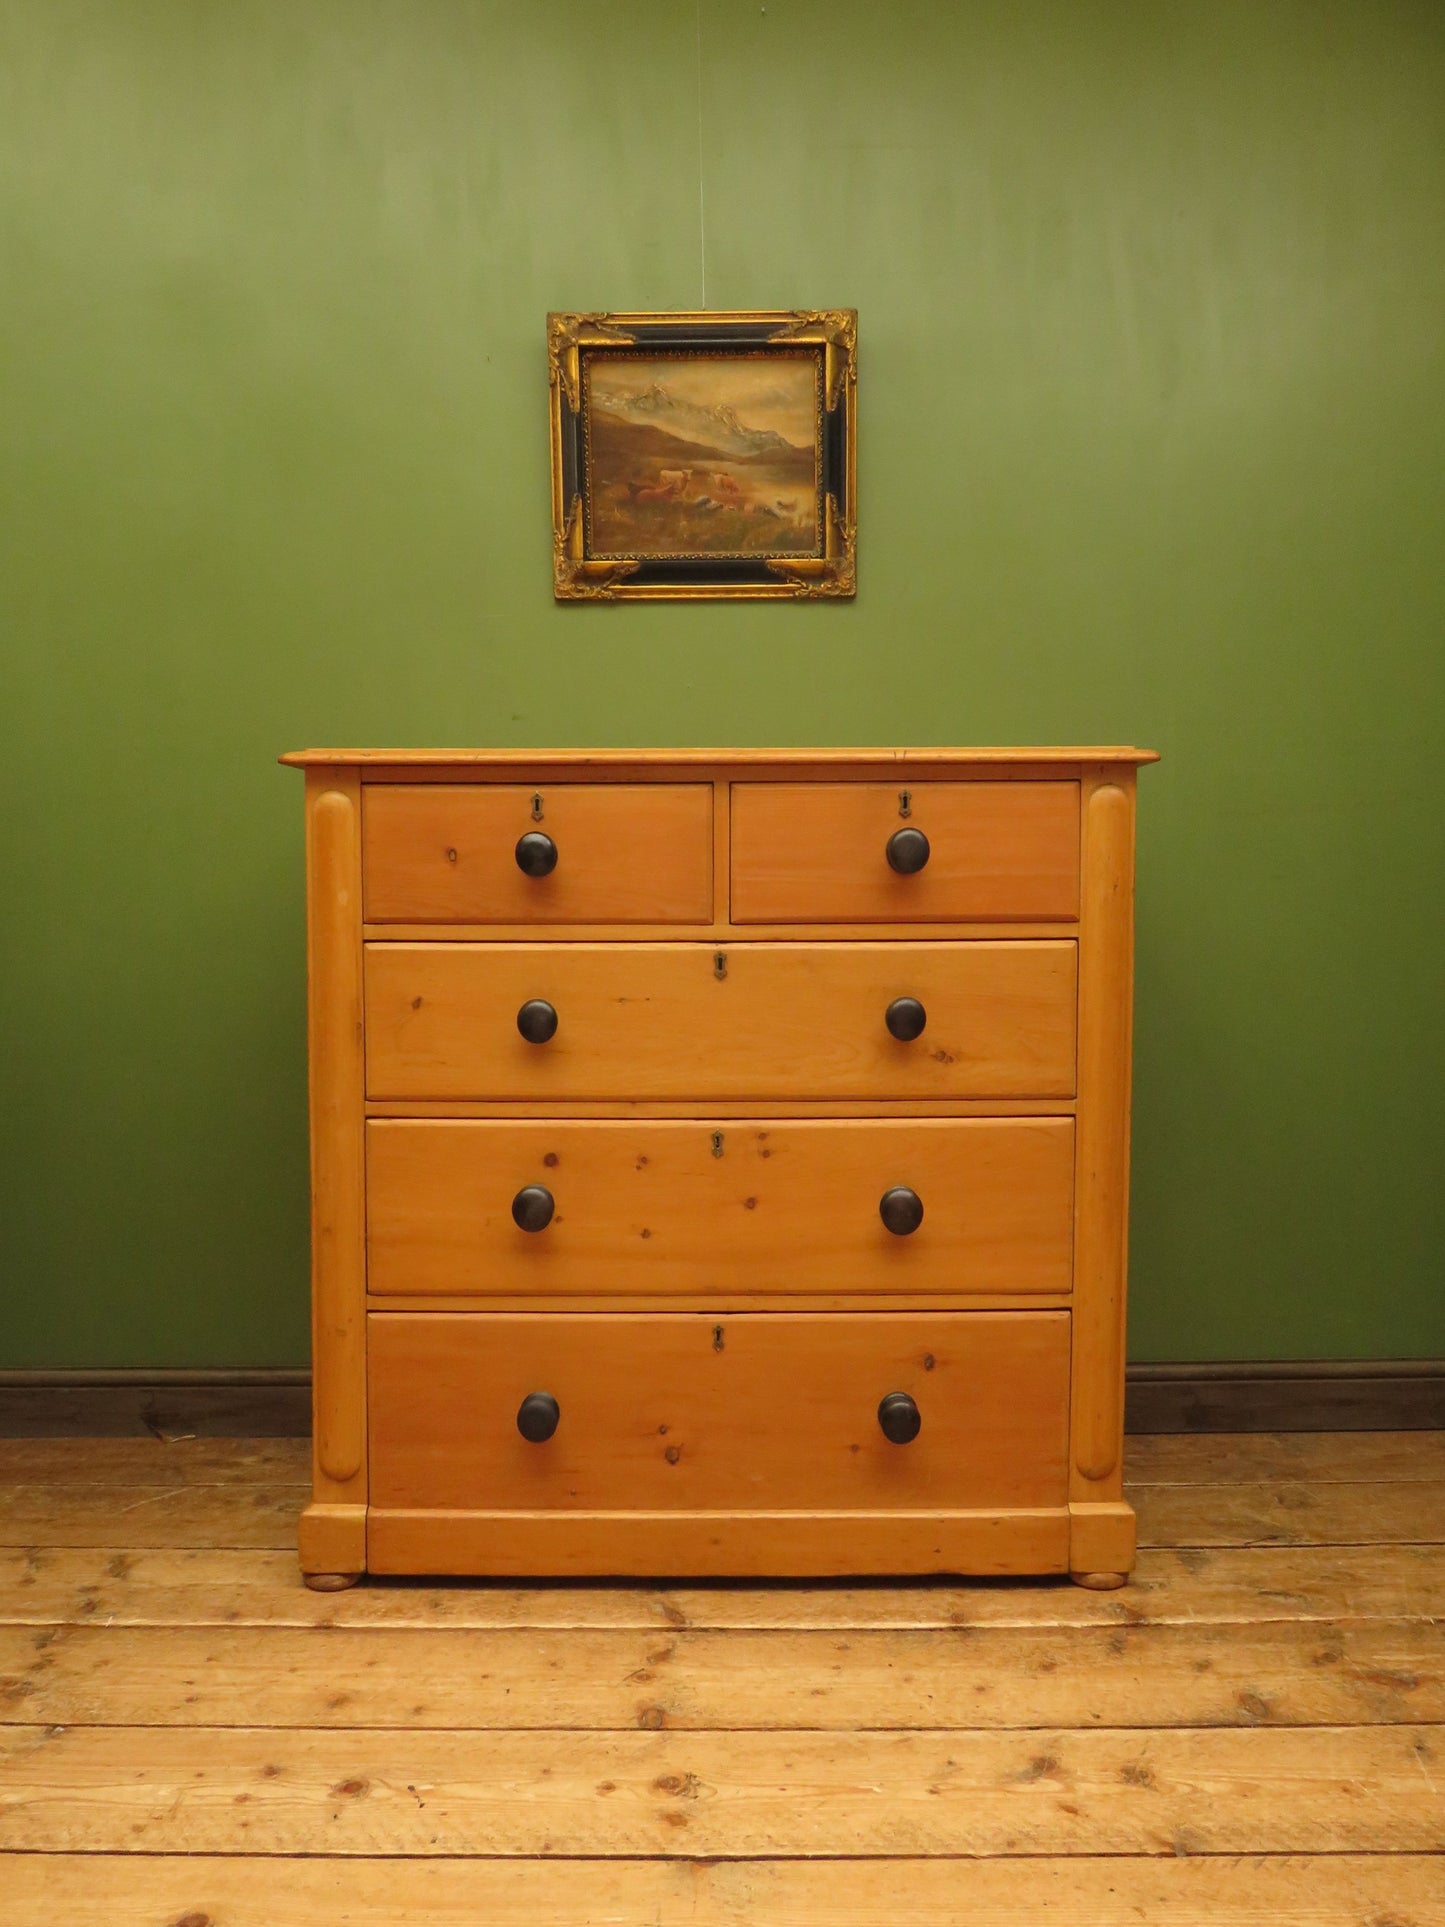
x,y
617,443
719,428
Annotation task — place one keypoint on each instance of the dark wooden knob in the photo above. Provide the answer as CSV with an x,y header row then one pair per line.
x,y
906,850
537,854
537,1417
901,1210
905,1018
537,1020
899,1418
534,1204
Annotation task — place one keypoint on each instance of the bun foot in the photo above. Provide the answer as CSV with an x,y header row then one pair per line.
x,y
1099,1581
330,1581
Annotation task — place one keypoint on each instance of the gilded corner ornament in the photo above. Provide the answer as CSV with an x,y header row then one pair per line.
x,y
838,329
836,575
574,577
567,334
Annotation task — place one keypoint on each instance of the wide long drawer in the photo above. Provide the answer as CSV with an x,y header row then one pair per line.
x,y
785,1020
683,1411
532,1208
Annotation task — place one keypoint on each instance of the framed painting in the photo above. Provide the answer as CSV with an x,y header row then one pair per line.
x,y
703,455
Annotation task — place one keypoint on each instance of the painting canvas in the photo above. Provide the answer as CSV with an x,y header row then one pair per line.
x,y
696,454
703,454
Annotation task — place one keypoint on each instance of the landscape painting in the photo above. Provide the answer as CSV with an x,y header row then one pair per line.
x,y
707,454
700,454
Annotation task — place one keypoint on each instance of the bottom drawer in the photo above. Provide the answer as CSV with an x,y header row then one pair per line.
x,y
686,1412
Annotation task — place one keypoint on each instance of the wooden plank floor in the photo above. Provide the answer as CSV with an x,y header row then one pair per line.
x,y
1252,1732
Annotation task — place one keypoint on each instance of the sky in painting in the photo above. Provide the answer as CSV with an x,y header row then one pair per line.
x,y
766,391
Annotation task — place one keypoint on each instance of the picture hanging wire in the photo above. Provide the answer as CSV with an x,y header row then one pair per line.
x,y
701,204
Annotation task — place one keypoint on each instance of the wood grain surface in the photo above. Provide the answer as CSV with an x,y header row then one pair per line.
x,y
142,1890
1254,1586
626,853
712,1207
1309,1673
1251,1731
428,1790
618,761
680,1411
817,852
785,1020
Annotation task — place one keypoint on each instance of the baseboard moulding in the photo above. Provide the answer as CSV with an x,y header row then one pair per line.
x,y
1307,1395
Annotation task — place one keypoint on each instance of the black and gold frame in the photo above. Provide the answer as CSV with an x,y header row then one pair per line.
x,y
703,455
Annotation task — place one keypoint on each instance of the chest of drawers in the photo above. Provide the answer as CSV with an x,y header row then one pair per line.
x,y
719,1161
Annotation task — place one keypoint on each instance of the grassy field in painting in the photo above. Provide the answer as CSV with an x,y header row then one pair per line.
x,y
652,493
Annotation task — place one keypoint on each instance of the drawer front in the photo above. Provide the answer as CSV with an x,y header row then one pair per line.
x,y
819,852
663,1411
708,1209
687,1021
625,853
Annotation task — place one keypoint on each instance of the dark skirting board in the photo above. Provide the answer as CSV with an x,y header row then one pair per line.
x,y
1363,1395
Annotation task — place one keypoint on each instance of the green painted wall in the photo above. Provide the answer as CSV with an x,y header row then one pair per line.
x,y
1152,426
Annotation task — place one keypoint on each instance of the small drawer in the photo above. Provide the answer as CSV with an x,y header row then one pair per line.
x,y
598,853
825,852
570,1208
658,1020
688,1411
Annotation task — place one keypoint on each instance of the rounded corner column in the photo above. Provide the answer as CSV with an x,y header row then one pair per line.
x,y
333,1531
1102,1525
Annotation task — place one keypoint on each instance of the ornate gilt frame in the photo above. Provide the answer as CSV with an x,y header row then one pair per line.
x,y
580,577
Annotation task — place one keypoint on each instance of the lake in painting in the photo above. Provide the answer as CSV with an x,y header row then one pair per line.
x,y
702,454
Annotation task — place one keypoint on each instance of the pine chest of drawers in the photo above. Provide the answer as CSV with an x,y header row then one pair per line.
x,y
719,1161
